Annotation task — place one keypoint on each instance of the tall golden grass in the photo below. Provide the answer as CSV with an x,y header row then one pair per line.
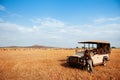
x,y
50,64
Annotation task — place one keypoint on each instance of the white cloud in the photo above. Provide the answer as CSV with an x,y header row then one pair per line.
x,y
1,20
14,34
62,31
2,8
114,19
23,29
53,37
65,36
7,26
48,22
102,20
74,30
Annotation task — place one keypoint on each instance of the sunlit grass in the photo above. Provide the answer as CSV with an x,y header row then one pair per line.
x,y
50,64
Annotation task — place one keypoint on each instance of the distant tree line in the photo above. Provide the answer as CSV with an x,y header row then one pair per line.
x,y
113,47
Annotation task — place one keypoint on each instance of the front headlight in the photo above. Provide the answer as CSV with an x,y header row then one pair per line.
x,y
81,60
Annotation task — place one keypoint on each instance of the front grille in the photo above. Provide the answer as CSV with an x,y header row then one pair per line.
x,y
74,59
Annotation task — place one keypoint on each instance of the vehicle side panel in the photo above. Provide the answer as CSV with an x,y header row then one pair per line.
x,y
98,58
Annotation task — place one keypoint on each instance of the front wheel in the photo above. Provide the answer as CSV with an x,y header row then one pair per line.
x,y
104,62
90,66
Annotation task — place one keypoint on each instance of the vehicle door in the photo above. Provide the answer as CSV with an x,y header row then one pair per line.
x,y
97,59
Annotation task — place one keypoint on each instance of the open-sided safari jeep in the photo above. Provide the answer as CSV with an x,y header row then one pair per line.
x,y
93,53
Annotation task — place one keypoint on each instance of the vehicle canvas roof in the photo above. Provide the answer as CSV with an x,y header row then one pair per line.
x,y
95,42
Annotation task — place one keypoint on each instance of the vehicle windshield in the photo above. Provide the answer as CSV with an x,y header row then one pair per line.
x,y
80,53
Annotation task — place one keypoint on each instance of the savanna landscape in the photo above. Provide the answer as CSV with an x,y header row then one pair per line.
x,y
50,64
58,25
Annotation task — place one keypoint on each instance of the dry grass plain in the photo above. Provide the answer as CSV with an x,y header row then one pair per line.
x,y
50,64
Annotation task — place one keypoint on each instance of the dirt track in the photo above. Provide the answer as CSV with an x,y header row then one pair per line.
x,y
50,64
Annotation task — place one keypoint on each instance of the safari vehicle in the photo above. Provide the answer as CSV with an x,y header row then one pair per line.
x,y
93,53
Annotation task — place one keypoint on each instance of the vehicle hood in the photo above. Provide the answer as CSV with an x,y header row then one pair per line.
x,y
78,55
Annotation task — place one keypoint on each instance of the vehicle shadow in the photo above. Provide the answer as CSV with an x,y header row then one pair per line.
x,y
64,63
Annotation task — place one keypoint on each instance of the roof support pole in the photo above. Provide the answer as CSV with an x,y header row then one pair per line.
x,y
84,46
88,46
92,45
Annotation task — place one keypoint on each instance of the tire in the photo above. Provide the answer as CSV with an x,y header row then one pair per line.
x,y
90,66
104,62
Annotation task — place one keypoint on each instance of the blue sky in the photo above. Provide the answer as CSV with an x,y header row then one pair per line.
x,y
60,23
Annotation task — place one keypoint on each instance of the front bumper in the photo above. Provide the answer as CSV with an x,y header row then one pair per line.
x,y
76,61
